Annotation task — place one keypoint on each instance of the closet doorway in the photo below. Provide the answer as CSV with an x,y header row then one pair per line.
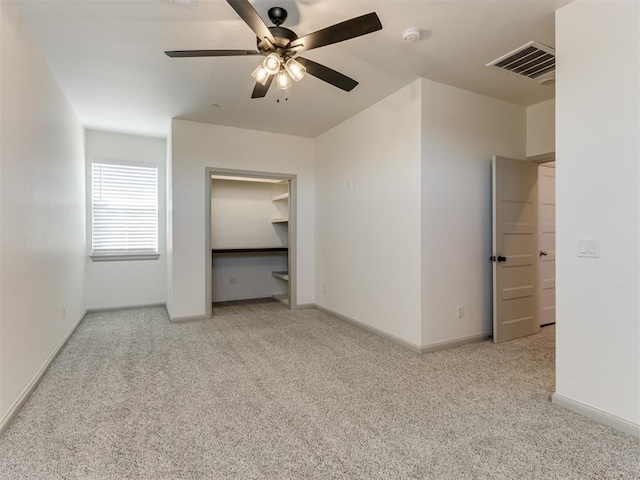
x,y
250,239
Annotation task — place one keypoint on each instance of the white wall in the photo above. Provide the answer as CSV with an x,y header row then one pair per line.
x,y
114,284
598,152
461,131
196,146
541,128
368,238
42,211
241,214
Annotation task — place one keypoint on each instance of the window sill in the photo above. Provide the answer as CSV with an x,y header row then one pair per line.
x,y
125,258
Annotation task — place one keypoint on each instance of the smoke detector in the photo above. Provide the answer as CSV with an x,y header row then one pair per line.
x,y
411,35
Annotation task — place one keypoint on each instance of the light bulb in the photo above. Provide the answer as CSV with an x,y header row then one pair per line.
x,y
260,74
272,63
295,69
284,81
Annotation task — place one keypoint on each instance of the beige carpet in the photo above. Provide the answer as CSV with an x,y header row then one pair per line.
x,y
261,392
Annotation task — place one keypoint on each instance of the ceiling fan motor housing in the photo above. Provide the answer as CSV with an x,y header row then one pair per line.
x,y
277,15
282,36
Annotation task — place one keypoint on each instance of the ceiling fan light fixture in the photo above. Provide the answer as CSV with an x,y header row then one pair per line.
x,y
284,80
260,74
272,63
295,69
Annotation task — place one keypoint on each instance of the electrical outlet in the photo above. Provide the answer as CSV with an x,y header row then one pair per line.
x,y
324,289
233,280
460,311
64,311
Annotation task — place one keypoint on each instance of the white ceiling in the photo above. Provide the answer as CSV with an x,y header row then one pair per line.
x,y
108,57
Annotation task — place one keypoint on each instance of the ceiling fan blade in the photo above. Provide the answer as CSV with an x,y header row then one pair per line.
x,y
339,32
211,53
244,9
328,75
260,90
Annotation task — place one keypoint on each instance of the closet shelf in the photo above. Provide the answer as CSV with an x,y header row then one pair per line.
x,y
241,251
280,220
281,275
284,196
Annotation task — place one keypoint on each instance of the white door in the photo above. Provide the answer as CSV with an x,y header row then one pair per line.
x,y
547,242
515,249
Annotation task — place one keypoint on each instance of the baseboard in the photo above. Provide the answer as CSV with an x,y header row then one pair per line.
x,y
596,414
458,342
26,393
381,333
304,306
188,318
126,307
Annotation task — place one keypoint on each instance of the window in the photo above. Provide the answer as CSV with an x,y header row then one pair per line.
x,y
124,206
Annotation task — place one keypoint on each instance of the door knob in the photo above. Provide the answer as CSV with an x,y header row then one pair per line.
x,y
499,258
543,253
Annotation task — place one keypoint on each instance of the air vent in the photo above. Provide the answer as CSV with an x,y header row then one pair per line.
x,y
531,60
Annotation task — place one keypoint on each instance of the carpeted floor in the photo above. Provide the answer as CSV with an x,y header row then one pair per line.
x,y
261,392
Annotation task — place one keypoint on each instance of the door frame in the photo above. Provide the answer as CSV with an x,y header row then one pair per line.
x,y
293,251
541,160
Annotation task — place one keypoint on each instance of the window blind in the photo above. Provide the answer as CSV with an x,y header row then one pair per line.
x,y
124,209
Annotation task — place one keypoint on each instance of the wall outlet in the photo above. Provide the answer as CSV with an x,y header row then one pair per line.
x,y
233,280
460,311
64,311
324,289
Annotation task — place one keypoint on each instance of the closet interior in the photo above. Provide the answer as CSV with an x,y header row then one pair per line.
x,y
249,238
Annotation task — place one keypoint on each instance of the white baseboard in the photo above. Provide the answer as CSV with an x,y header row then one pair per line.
x,y
188,318
24,396
304,306
381,333
458,342
597,415
126,307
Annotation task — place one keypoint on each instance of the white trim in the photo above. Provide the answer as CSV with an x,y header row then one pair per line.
x,y
189,318
597,415
381,333
124,257
457,342
305,306
33,384
125,307
434,347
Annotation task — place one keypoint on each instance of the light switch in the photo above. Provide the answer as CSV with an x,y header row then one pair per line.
x,y
589,248
582,247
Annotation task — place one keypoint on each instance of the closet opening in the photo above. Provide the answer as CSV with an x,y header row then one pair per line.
x,y
250,239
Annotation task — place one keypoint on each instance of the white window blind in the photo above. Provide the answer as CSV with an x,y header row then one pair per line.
x,y
124,210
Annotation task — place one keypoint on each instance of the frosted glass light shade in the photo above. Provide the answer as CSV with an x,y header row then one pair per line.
x,y
272,63
295,69
260,74
284,80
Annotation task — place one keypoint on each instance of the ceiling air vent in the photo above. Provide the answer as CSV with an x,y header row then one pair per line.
x,y
531,60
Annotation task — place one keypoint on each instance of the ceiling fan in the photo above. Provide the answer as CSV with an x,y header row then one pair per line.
x,y
280,45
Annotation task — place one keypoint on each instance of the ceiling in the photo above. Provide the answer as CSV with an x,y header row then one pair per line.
x,y
108,57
